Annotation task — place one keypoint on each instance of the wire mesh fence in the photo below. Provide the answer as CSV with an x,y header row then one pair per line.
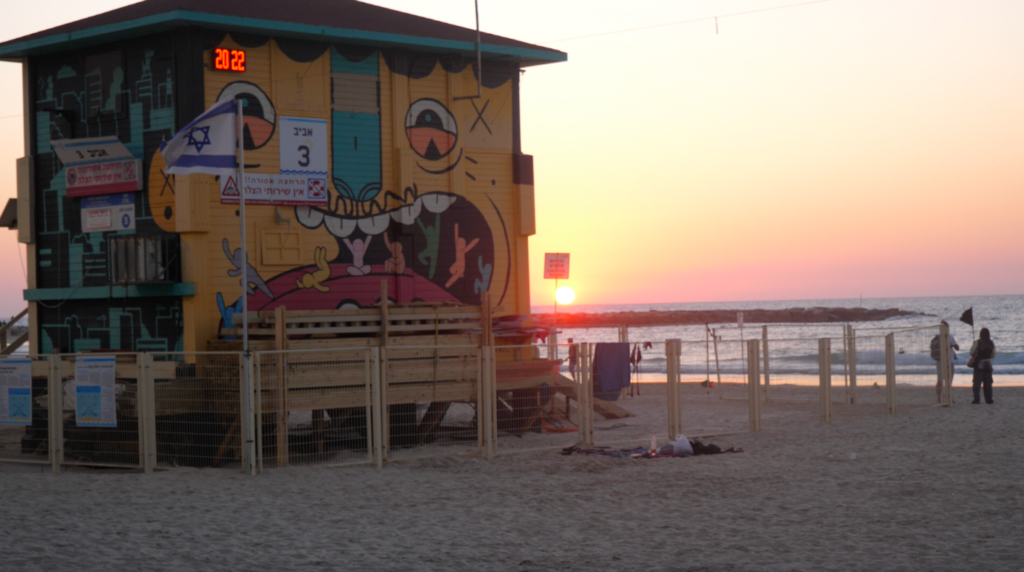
x,y
432,397
795,390
867,393
369,404
103,427
197,409
25,410
535,397
633,414
314,406
714,396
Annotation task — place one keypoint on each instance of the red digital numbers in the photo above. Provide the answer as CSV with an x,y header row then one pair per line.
x,y
229,60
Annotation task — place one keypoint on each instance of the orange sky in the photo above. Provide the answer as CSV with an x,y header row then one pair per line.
x,y
838,149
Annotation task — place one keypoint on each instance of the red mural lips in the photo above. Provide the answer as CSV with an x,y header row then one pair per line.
x,y
431,129
358,291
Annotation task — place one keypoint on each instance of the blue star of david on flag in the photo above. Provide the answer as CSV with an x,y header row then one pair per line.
x,y
193,141
206,145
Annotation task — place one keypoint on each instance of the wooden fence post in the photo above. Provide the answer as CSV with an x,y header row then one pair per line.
x,y
825,378
145,407
281,386
586,436
56,412
946,362
718,369
675,422
493,353
890,373
852,353
377,427
486,404
257,407
764,360
754,384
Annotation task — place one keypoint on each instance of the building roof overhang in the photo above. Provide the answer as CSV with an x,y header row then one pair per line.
x,y
334,21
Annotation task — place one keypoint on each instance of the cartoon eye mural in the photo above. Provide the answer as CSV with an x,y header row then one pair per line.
x,y
431,129
259,116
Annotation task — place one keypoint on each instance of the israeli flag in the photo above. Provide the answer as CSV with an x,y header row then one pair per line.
x,y
207,145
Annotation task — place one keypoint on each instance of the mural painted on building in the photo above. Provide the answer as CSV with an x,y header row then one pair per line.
x,y
419,184
128,92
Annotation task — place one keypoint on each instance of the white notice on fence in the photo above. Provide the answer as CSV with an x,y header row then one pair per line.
x,y
16,392
739,319
94,392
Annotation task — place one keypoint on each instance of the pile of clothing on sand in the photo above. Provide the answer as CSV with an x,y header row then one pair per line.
x,y
681,447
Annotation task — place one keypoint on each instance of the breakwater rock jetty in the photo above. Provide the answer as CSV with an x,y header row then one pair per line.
x,y
696,317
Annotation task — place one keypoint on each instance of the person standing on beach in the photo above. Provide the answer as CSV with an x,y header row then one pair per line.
x,y
983,351
936,353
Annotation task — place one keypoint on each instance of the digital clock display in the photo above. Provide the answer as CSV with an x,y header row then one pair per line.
x,y
229,60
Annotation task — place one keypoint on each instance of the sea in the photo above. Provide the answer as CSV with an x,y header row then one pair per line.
x,y
793,347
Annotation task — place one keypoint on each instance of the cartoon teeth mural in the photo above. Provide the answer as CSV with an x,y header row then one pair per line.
x,y
419,185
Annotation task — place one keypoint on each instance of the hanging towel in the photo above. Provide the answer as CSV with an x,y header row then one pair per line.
x,y
611,370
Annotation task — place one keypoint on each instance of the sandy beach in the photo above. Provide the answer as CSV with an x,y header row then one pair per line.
x,y
927,489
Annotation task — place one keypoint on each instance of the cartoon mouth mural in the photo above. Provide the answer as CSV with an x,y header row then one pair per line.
x,y
435,238
429,250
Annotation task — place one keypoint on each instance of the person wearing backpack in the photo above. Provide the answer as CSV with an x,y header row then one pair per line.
x,y
983,351
936,351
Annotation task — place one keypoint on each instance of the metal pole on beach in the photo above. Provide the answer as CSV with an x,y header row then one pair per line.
x,y
553,336
247,385
707,357
718,370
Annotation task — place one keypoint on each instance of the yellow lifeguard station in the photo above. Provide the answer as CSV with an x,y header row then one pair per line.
x,y
376,149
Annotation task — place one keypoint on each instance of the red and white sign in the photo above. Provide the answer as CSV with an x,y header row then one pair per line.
x,y
103,178
556,266
98,166
277,190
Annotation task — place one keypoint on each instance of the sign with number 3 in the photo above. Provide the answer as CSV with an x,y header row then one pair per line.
x,y
303,146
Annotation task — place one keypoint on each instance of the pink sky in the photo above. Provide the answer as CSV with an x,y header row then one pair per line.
x,y
839,149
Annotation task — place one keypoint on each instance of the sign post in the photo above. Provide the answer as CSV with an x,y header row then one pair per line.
x,y
556,266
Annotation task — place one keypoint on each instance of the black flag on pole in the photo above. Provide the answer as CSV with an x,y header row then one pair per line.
x,y
968,316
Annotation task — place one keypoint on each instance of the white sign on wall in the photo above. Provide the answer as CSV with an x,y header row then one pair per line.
x,y
16,392
556,265
279,190
108,212
303,146
95,404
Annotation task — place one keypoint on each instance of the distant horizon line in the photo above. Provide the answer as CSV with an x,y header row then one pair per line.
x,y
534,305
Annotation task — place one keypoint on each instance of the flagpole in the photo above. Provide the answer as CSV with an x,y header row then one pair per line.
x,y
247,381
